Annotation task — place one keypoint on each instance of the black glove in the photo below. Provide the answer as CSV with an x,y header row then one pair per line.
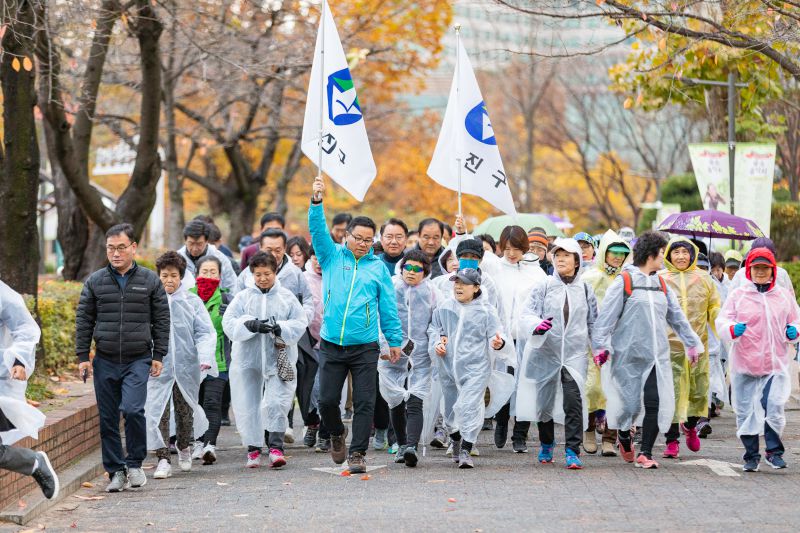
x,y
222,309
253,326
264,327
276,330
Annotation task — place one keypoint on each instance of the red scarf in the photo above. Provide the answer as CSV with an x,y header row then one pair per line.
x,y
206,287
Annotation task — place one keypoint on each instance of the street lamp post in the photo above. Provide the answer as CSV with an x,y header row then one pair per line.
x,y
731,85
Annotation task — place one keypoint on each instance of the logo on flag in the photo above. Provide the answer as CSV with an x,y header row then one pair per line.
x,y
479,126
343,108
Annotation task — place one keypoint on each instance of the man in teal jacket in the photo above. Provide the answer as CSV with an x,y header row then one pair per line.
x,y
358,299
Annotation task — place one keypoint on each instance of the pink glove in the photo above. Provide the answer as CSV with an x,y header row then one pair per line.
x,y
543,327
692,354
600,357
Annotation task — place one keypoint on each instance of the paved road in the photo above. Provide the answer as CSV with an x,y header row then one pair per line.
x,y
505,490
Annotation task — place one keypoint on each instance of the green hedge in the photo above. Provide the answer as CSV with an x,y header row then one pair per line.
x,y
58,301
793,269
784,229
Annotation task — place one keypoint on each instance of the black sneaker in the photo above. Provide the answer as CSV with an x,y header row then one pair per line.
x,y
776,461
519,446
487,424
225,421
339,447
311,436
357,463
323,445
410,456
500,435
46,476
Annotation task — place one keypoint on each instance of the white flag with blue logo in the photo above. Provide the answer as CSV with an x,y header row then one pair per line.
x,y
346,156
467,140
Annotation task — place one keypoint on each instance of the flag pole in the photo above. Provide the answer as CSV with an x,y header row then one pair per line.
x,y
321,91
458,147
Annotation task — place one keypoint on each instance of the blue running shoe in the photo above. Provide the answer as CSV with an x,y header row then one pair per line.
x,y
573,461
776,461
546,453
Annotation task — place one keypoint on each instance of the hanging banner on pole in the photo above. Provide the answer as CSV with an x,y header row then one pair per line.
x,y
342,141
710,165
467,140
754,170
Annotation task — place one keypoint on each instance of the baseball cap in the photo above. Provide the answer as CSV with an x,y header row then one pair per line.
x,y
467,275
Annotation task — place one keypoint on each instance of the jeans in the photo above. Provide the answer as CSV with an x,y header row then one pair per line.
x,y
573,416
407,421
121,388
213,389
19,460
650,423
361,361
184,422
772,440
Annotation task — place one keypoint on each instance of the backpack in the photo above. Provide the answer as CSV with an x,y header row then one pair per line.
x,y
628,286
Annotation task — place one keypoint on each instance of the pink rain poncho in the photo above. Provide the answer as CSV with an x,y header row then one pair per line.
x,y
760,355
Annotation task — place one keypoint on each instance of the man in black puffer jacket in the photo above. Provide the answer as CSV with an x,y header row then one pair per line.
x,y
124,308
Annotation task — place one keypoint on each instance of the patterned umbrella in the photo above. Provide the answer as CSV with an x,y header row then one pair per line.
x,y
712,224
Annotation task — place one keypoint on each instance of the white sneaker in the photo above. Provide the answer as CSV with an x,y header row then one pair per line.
x,y
474,452
163,470
185,459
209,454
253,459
197,450
288,436
449,452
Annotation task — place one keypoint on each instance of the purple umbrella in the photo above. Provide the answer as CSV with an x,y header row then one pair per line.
x,y
712,224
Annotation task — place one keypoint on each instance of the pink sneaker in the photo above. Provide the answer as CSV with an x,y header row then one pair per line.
x,y
672,450
643,462
276,458
627,455
692,439
253,459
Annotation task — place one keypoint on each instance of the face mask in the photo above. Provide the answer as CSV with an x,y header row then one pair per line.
x,y
467,263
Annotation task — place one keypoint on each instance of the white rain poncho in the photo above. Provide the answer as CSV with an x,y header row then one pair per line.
x,y
635,332
192,342
760,355
717,383
410,374
18,337
292,279
466,369
227,276
539,390
259,397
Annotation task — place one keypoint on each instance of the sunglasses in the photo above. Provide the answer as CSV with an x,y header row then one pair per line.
x,y
413,268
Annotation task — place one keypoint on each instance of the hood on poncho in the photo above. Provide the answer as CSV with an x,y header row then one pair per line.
x,y
763,254
609,239
681,242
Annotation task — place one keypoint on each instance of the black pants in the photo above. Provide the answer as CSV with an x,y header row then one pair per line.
x,y
334,363
121,388
650,423
520,433
213,390
380,419
226,400
674,429
573,416
306,373
407,421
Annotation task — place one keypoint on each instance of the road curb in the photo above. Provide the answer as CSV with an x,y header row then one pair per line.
x,y
85,469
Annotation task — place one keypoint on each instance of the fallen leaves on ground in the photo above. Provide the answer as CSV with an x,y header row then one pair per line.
x,y
88,498
222,484
241,515
451,500
34,403
437,481
365,477
22,504
87,485
346,473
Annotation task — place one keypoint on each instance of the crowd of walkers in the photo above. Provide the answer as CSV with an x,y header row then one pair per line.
x,y
410,341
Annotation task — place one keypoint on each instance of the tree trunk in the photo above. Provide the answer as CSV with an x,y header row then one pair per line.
x,y
242,216
73,226
19,186
289,171
175,216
